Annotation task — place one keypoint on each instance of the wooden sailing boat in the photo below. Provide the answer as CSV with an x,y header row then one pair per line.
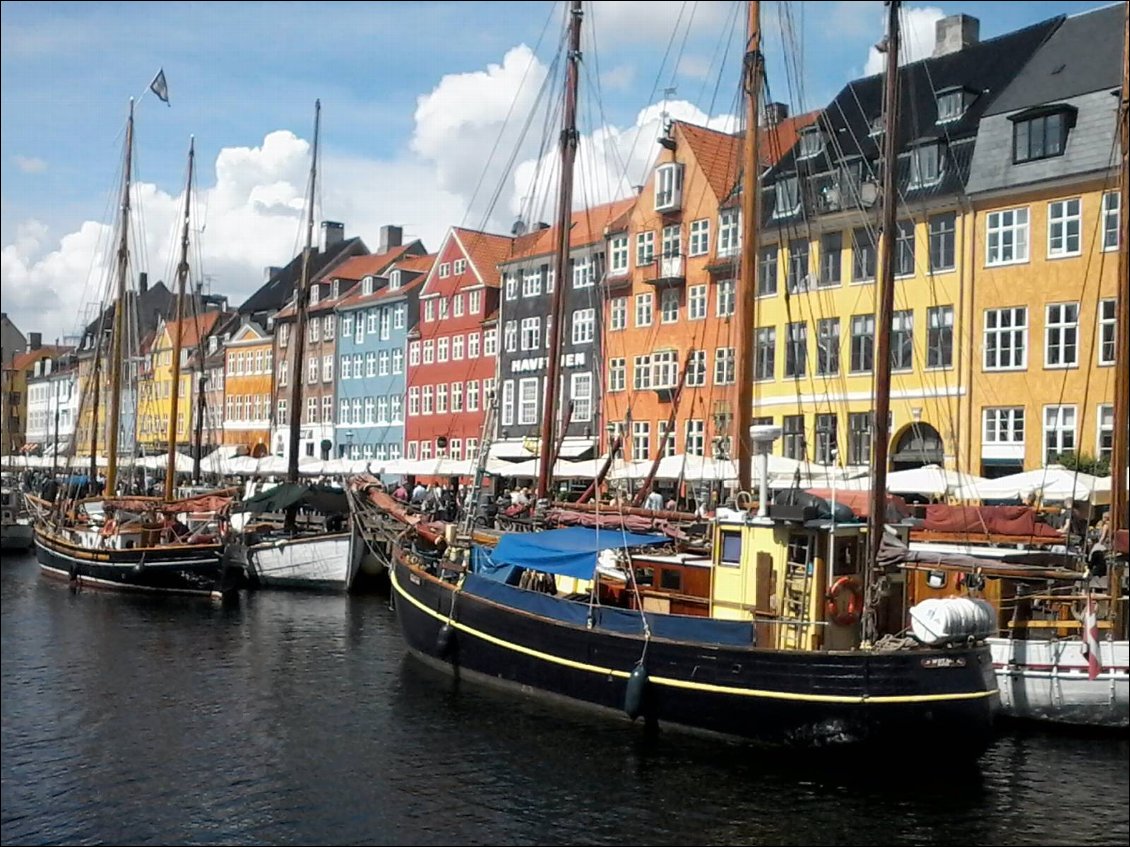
x,y
462,606
320,555
161,545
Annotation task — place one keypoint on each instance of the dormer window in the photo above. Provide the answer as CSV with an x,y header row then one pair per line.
x,y
335,289
669,187
952,103
1041,133
367,286
925,165
811,143
787,196
315,293
877,126
394,280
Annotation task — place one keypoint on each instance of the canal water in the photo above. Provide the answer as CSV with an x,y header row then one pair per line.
x,y
300,719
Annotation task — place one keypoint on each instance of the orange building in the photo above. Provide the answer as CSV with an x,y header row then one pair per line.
x,y
248,386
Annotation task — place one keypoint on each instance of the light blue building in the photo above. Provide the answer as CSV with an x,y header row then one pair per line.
x,y
372,342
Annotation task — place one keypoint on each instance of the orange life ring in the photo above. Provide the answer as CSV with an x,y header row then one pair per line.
x,y
844,616
109,528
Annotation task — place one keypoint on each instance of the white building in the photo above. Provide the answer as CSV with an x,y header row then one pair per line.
x,y
52,387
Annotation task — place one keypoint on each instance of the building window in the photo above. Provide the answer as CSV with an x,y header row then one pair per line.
x,y
644,309
507,403
584,326
414,354
528,401
474,302
1061,335
1059,432
765,365
441,349
862,343
1111,218
859,438
473,345
1006,334
473,395
1064,223
510,336
441,399
281,413
767,272
580,392
943,229
531,333
696,368
1107,328
668,187
1007,241
828,346
700,237
1041,136
796,273
531,282
826,439
811,143
672,241
426,400
490,342
792,428
939,340
457,348
951,105
645,248
786,196
619,249
664,369
1104,442
696,438
641,441
831,246
459,266
904,255
796,349
902,340
617,377
669,306
729,232
641,372
862,256
724,366
696,302
1003,425
925,165
725,298
511,286
618,313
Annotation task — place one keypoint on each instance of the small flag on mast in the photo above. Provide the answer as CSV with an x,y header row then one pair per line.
x,y
159,87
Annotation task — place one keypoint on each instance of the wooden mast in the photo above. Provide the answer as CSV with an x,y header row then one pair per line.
x,y
1119,517
119,321
561,265
745,302
301,303
178,331
885,295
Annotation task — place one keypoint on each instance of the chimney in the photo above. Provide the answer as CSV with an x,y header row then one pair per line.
x,y
390,236
954,33
333,233
34,340
142,282
269,271
775,113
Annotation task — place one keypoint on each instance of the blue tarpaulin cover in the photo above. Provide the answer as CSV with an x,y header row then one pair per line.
x,y
571,551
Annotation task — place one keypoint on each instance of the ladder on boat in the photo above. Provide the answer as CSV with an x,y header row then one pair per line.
x,y
799,573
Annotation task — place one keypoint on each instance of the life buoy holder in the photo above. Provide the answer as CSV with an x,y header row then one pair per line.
x,y
844,615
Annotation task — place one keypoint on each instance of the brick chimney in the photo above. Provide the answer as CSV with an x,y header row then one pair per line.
x,y
142,282
775,113
954,33
34,340
390,237
333,233
269,271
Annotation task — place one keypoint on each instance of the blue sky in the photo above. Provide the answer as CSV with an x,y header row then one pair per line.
x,y
414,99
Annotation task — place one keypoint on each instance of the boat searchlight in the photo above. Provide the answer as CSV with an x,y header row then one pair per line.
x,y
763,436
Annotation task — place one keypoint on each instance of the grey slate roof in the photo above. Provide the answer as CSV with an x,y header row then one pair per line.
x,y
1077,67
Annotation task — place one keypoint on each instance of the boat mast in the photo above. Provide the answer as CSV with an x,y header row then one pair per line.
x,y
561,265
1119,517
119,320
301,303
198,438
178,332
746,300
886,298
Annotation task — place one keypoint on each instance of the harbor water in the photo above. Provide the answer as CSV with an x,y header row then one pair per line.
x,y
290,718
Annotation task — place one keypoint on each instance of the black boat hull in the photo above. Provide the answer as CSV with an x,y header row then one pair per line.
x,y
199,569
942,699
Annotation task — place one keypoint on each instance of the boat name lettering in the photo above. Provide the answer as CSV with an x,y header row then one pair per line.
x,y
944,662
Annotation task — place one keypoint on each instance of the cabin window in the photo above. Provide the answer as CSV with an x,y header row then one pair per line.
x,y
645,576
731,548
671,579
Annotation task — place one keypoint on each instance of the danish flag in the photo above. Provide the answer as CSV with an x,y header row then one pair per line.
x,y
1091,639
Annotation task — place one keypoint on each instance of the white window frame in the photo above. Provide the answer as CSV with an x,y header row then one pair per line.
x,y
699,237
1016,333
617,374
528,400
618,314
645,309
1111,220
1063,420
618,250
580,392
1014,224
1108,330
1061,335
1065,226
584,326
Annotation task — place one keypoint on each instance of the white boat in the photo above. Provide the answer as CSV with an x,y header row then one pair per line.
x,y
16,530
318,562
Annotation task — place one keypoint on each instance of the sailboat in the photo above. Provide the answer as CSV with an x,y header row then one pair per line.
x,y
147,544
492,612
321,554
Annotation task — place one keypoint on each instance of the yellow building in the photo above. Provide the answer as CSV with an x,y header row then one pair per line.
x,y
249,388
155,392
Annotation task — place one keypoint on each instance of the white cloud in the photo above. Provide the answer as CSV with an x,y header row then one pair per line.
x,y
620,78
30,164
917,31
628,21
695,67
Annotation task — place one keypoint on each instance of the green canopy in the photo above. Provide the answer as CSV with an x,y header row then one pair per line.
x,y
318,498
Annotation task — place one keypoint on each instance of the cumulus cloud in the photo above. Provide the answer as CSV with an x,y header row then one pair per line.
x,y
918,27
30,164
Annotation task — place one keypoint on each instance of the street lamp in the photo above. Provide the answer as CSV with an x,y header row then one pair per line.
x,y
349,439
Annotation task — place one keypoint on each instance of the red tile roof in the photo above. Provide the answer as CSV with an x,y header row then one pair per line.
x,y
196,327
29,358
485,251
358,267
588,227
411,264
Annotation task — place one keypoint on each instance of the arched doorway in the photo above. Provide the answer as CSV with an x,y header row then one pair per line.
x,y
917,445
